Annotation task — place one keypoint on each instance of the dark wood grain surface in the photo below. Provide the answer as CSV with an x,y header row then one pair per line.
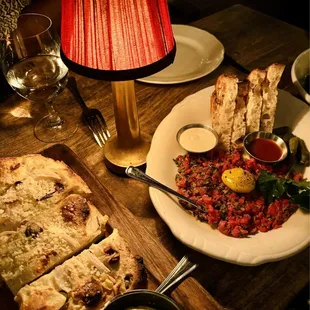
x,y
255,41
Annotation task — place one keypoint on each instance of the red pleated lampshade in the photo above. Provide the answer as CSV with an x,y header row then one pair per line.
x,y
116,39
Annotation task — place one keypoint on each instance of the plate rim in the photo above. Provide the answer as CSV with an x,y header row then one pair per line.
x,y
157,81
256,260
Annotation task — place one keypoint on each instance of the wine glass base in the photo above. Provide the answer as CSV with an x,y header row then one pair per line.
x,y
45,132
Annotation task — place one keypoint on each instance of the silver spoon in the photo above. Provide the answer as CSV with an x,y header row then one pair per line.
x,y
137,174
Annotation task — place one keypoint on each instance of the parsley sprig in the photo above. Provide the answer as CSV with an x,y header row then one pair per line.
x,y
274,187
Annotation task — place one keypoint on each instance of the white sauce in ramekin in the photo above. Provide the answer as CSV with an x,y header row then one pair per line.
x,y
197,140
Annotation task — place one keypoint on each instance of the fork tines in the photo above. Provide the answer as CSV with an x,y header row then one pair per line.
x,y
97,126
92,117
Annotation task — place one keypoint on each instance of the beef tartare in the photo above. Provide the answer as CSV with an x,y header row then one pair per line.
x,y
233,214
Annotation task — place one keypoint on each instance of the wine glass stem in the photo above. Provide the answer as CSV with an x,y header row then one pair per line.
x,y
54,119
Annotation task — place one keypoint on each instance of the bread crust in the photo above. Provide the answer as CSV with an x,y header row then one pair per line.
x,y
48,239
239,124
32,183
43,222
254,100
238,108
223,102
270,96
14,169
108,268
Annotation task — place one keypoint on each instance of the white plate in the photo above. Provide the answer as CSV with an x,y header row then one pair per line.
x,y
198,54
274,245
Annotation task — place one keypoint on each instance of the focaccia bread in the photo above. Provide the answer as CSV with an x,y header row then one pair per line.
x,y
223,104
48,239
88,280
31,184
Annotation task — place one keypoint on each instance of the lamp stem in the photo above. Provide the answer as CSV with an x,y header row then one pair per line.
x,y
130,147
125,113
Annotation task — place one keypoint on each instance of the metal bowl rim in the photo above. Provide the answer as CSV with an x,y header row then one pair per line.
x,y
256,135
197,125
143,291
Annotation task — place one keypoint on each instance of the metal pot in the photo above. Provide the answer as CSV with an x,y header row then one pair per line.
x,y
142,298
149,300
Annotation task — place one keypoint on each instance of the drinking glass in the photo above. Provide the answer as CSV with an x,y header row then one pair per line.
x,y
31,63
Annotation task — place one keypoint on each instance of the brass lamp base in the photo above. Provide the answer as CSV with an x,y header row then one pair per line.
x,y
118,158
129,147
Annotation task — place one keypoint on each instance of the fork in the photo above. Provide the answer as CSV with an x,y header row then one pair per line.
x,y
139,175
92,117
180,271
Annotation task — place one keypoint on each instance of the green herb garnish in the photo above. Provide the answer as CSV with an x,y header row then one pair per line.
x,y
274,187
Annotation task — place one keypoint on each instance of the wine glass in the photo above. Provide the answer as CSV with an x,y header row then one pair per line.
x,y
31,63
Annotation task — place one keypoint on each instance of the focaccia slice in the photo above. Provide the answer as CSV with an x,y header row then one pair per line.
x,y
88,280
270,96
255,100
31,184
48,239
223,104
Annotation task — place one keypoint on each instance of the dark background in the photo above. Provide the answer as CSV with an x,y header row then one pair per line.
x,y
293,12
186,11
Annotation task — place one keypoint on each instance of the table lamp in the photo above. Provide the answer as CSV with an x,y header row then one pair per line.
x,y
118,41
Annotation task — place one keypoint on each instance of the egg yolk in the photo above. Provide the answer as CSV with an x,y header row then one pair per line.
x,y
239,180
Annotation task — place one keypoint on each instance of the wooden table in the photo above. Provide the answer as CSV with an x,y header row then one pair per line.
x,y
255,41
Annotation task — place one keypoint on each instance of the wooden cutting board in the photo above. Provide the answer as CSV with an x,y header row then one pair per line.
x,y
158,260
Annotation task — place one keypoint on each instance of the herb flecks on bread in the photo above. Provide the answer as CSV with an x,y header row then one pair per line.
x,y
238,108
45,219
48,239
89,279
31,184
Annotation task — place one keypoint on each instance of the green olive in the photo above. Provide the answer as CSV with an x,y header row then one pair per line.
x,y
305,156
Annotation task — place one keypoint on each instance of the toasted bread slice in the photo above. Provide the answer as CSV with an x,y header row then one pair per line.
x,y
223,104
87,280
48,239
255,100
31,184
270,96
239,124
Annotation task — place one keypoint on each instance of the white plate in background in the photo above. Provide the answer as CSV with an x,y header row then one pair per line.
x,y
273,245
198,53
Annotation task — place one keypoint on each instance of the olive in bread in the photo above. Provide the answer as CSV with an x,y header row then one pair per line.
x,y
31,184
48,239
88,280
